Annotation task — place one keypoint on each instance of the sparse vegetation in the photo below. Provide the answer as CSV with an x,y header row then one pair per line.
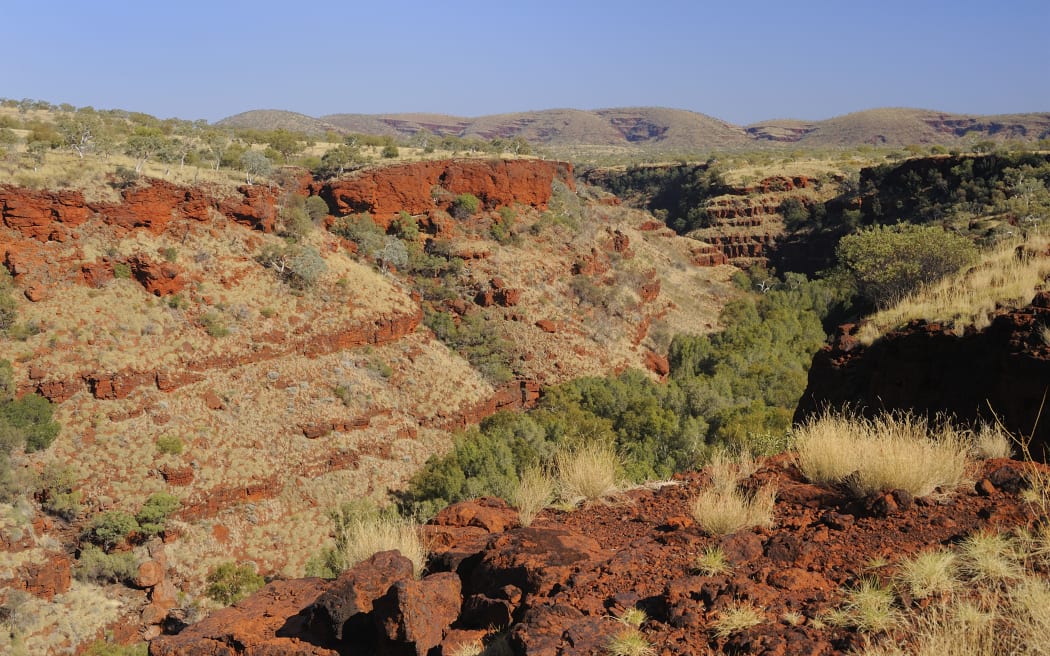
x,y
96,565
170,445
534,492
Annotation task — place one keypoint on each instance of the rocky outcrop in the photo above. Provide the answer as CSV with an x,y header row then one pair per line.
x,y
50,215
418,188
157,278
1002,371
557,585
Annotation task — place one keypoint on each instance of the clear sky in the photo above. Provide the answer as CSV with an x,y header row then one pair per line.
x,y
741,61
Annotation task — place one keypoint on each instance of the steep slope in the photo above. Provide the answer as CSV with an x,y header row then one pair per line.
x,y
161,320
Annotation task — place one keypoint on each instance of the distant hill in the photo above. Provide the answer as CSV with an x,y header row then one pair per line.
x,y
657,128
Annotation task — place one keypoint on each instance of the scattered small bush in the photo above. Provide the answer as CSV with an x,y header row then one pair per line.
x,y
121,271
57,493
95,565
736,617
169,445
170,254
465,206
110,528
929,573
869,607
712,561
229,583
362,530
722,508
103,648
154,513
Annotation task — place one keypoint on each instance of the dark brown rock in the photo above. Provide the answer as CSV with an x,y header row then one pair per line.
x,y
350,597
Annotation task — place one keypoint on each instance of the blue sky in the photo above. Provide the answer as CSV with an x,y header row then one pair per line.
x,y
739,61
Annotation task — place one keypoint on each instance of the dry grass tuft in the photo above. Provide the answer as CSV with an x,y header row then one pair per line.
x,y
590,472
869,607
722,508
887,453
712,562
928,574
361,537
986,556
736,617
969,298
535,491
990,441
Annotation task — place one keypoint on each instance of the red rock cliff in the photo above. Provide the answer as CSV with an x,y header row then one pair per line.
x,y
386,191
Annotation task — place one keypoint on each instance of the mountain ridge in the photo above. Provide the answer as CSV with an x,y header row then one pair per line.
x,y
663,128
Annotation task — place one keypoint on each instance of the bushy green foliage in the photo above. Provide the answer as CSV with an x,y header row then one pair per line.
x,y
109,528
154,513
229,583
476,339
405,226
677,194
97,566
465,206
316,208
8,305
935,188
362,230
31,414
56,489
734,389
888,262
121,271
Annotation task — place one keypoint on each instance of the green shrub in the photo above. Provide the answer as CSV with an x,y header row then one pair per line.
x,y
214,324
170,254
888,262
31,416
121,271
316,208
154,513
110,528
476,339
465,206
169,445
229,583
56,489
97,566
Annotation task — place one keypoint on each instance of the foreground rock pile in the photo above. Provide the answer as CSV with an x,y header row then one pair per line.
x,y
556,586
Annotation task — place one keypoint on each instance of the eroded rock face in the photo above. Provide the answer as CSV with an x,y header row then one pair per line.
x,y
925,368
417,188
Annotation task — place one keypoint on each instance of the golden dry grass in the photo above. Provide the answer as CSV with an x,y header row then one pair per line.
x,y
886,453
589,472
722,507
969,298
535,491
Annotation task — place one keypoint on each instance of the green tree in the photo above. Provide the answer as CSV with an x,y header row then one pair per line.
x,y
888,262
255,165
153,515
143,144
110,528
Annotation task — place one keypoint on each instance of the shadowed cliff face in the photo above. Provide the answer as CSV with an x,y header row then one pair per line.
x,y
1003,372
